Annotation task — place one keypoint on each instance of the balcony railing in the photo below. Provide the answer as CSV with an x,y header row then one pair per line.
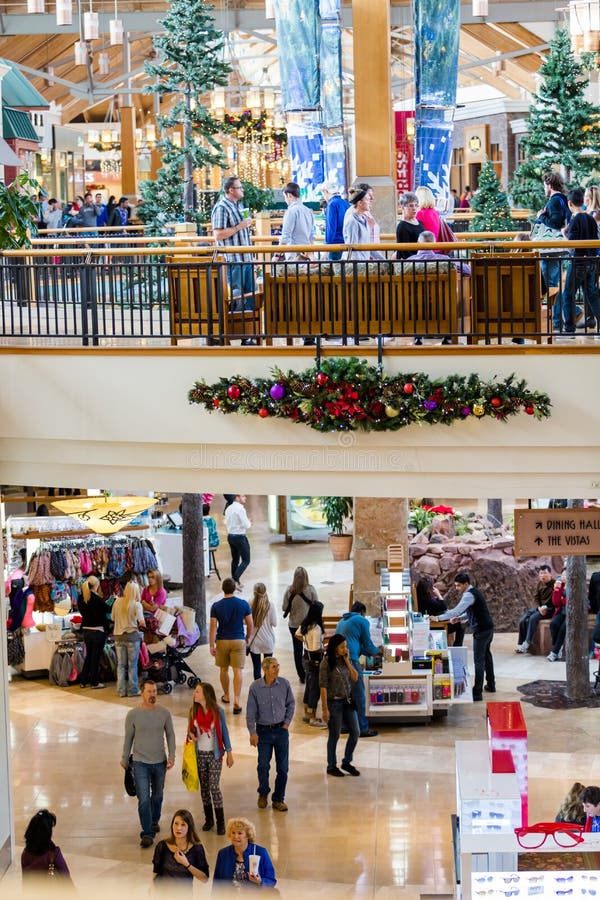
x,y
491,292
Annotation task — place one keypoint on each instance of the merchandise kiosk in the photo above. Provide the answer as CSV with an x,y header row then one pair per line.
x,y
419,675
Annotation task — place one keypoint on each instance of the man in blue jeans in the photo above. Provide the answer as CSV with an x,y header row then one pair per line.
x,y
269,712
146,728
355,628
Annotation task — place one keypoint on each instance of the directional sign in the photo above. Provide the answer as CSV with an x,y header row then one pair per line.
x,y
557,532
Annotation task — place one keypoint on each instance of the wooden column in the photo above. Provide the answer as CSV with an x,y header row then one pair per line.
x,y
129,175
378,522
374,124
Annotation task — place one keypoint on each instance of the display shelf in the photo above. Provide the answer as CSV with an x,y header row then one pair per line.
x,y
383,693
555,884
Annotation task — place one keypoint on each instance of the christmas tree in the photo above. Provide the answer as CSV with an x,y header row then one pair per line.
x,y
189,63
564,130
490,203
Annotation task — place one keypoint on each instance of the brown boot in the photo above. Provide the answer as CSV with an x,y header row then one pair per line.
x,y
208,816
220,814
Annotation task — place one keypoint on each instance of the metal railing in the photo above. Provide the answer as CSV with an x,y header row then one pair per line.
x,y
490,292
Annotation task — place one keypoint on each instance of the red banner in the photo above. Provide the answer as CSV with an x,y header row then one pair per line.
x,y
404,150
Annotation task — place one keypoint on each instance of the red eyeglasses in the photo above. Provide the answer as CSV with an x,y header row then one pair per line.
x,y
564,834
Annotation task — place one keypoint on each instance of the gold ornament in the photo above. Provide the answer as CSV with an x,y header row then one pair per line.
x,y
478,409
391,413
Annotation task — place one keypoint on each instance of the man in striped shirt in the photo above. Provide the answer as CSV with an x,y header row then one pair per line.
x,y
231,229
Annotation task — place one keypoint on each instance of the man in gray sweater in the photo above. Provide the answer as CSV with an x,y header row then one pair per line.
x,y
146,728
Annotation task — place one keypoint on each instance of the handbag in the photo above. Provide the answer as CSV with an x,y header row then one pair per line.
x,y
446,235
542,232
189,768
15,649
129,779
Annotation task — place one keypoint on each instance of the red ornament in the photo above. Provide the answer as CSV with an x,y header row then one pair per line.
x,y
322,379
496,402
216,401
529,410
408,387
263,413
233,392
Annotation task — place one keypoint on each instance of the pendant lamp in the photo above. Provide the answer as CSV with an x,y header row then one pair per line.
x,y
116,29
105,514
64,12
35,7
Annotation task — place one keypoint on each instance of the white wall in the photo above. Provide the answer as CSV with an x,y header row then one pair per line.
x,y
122,420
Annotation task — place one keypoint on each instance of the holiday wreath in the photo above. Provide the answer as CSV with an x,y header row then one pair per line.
x,y
350,394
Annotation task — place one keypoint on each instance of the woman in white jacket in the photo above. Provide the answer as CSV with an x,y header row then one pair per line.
x,y
265,620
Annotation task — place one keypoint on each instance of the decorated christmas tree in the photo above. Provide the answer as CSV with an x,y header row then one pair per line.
x,y
490,203
189,63
564,129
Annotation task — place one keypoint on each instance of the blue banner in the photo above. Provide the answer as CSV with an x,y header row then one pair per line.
x,y
433,151
305,142
437,33
334,152
298,32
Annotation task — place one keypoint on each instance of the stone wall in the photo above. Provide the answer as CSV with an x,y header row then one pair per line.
x,y
508,584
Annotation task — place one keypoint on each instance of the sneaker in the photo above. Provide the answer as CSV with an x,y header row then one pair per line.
x,y
552,656
155,827
262,801
333,770
279,805
98,687
490,688
370,732
523,648
318,723
349,768
146,842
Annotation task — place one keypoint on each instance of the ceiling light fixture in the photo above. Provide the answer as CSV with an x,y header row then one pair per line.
x,y
105,514
64,12
116,29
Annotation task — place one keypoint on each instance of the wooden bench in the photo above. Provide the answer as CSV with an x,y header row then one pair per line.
x,y
507,296
308,303
199,302
541,644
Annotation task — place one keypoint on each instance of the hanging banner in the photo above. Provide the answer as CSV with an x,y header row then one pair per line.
x,y
405,150
334,152
331,75
298,32
305,142
433,151
437,33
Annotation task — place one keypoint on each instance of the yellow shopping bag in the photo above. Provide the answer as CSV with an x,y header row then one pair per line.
x,y
189,769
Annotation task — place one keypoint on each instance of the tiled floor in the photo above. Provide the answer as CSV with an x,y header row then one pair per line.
x,y
385,834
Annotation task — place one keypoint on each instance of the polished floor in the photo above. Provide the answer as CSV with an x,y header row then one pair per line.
x,y
385,834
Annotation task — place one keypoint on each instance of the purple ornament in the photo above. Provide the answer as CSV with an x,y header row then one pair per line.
x,y
430,404
466,411
277,392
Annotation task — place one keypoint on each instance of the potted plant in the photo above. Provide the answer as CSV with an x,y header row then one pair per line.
x,y
335,510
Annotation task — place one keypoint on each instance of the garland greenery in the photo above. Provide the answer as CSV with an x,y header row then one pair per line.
x,y
352,395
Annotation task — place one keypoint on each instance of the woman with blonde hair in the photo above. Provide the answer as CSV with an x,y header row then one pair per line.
x,y
154,594
571,809
128,616
296,601
427,214
265,620
94,613
233,862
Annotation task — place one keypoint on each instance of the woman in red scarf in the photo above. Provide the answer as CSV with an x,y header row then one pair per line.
x,y
207,727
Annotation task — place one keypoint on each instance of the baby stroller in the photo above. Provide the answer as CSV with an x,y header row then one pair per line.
x,y
179,669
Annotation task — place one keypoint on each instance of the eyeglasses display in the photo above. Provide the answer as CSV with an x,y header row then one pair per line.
x,y
564,834
538,884
490,816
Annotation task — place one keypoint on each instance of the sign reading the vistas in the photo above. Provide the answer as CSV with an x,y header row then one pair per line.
x,y
559,532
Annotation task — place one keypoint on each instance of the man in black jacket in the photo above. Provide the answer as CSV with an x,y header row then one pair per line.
x,y
473,609
543,609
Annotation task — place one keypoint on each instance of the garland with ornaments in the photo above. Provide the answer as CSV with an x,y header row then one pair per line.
x,y
351,395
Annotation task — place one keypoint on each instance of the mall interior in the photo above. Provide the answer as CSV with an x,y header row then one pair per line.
x,y
117,418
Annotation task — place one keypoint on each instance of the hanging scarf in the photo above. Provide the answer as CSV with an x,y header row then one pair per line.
x,y
204,722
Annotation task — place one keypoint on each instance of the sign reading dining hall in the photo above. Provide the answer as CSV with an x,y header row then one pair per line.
x,y
565,532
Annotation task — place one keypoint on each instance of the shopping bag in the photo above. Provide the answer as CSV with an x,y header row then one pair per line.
x,y
189,769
